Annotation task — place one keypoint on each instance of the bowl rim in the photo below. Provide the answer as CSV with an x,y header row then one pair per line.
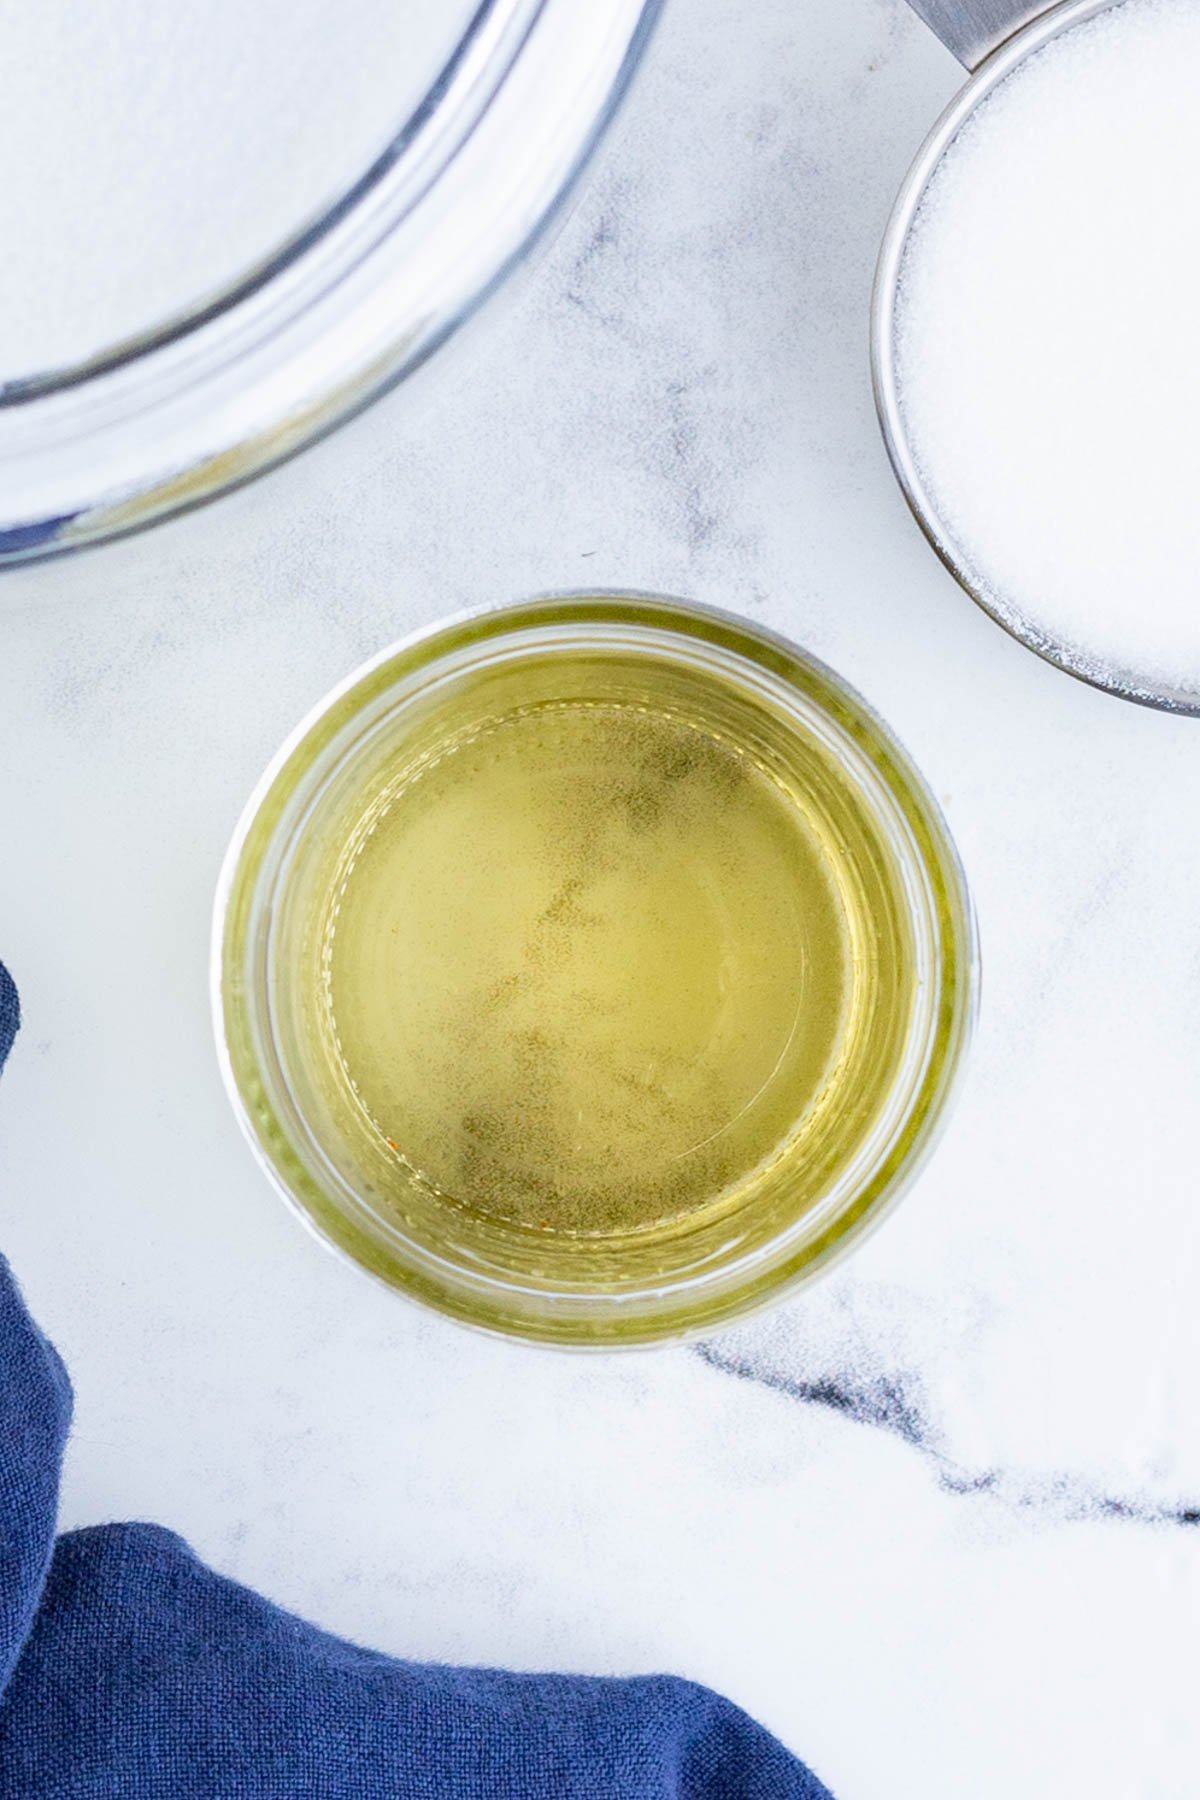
x,y
201,404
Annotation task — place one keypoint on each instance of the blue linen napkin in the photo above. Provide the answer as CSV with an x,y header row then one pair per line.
x,y
130,1671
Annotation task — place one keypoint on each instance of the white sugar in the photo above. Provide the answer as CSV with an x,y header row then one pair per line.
x,y
1048,341
153,151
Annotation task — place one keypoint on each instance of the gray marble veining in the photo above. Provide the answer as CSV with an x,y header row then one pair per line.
x,y
897,1402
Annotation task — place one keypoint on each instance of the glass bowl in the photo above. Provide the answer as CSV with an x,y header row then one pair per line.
x,y
351,305
829,1176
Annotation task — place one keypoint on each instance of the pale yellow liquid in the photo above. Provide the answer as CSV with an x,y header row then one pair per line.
x,y
588,966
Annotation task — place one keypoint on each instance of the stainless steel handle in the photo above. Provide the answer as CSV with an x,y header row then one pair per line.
x,y
972,29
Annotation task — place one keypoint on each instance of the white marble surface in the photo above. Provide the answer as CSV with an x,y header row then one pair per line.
x,y
936,1520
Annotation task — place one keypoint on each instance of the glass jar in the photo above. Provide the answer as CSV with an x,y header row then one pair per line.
x,y
349,307
911,968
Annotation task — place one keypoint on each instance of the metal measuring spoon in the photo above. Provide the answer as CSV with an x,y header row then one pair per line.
x,y
990,38
972,29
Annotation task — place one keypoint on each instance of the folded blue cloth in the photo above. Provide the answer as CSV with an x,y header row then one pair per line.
x,y
129,1671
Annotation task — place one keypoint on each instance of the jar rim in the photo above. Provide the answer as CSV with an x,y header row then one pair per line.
x,y
680,1307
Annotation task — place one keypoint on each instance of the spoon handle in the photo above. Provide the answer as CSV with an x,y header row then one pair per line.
x,y
972,29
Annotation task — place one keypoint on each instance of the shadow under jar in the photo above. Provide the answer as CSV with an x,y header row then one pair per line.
x,y
592,969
